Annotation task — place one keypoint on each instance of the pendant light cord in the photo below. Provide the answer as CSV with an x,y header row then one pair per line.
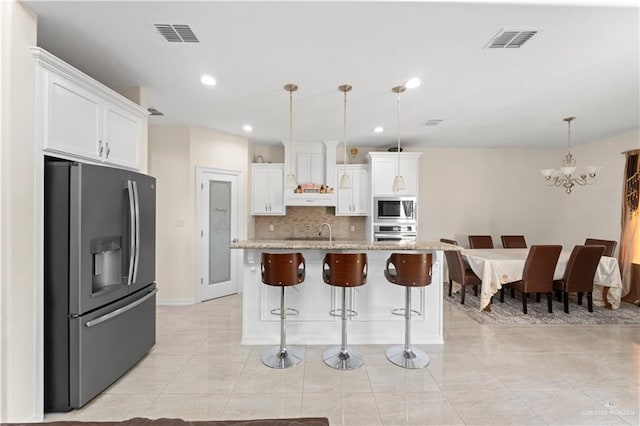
x,y
291,131
398,147
345,131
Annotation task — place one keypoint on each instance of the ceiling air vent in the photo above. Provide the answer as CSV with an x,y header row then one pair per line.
x,y
176,33
510,39
433,122
153,111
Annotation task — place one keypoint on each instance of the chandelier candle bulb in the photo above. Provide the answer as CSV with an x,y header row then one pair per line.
x,y
564,175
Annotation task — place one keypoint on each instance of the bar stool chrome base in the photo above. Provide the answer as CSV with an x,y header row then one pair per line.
x,y
276,358
407,358
344,360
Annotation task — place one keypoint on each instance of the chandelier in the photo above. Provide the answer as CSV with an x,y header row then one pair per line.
x,y
564,176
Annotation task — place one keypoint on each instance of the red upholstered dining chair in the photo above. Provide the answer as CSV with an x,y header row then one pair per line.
x,y
578,276
480,242
537,276
513,241
609,245
459,272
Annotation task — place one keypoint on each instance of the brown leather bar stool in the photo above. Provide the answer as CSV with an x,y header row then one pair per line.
x,y
408,270
344,270
282,270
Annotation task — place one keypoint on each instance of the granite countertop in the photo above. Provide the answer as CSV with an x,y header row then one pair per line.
x,y
313,244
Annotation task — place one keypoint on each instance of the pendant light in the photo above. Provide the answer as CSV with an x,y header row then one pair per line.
x,y
398,181
291,181
345,180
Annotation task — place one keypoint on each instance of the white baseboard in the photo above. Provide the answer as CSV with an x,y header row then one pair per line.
x,y
175,302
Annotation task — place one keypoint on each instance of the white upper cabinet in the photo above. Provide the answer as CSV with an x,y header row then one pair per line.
x,y
312,163
83,119
310,168
353,201
267,189
384,168
122,134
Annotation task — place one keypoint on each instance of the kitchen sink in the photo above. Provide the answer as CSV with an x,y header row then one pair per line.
x,y
308,239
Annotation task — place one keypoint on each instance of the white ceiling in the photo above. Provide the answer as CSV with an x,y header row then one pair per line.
x,y
584,62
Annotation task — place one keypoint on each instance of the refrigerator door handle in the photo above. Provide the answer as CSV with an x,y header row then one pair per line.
x,y
137,211
132,232
120,311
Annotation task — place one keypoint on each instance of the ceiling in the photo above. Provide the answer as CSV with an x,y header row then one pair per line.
x,y
584,62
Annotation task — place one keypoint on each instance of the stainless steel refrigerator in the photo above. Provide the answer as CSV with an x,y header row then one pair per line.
x,y
99,278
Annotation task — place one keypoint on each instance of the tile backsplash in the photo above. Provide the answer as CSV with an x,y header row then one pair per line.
x,y
305,222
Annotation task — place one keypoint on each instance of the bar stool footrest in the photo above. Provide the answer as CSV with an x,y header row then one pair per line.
x,y
338,313
291,312
401,312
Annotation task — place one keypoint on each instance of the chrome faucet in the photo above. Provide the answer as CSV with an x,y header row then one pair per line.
x,y
328,226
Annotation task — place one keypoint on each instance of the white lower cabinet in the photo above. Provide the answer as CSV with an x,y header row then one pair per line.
x,y
353,201
267,189
81,118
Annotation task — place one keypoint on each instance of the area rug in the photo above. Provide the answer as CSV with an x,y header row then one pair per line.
x,y
510,312
141,421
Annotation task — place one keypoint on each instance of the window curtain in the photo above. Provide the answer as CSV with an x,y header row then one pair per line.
x,y
630,239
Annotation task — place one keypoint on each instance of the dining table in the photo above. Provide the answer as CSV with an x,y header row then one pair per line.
x,y
496,267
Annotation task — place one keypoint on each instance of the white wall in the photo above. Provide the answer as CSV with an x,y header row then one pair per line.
x,y
20,297
501,191
595,211
174,154
488,191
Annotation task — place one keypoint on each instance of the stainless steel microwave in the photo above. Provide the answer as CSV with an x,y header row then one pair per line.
x,y
395,209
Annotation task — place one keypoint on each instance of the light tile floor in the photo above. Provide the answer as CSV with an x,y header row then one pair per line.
x,y
482,375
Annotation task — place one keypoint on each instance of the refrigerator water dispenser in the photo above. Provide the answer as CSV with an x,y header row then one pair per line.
x,y
107,263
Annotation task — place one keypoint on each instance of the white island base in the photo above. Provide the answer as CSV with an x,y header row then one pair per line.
x,y
374,323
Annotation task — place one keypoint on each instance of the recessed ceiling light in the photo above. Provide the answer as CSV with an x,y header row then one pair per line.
x,y
379,129
412,83
247,128
207,80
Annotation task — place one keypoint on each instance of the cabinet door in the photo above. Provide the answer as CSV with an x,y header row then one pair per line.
x,y
310,168
121,138
360,191
344,206
72,118
409,170
353,201
267,195
383,171
276,191
260,191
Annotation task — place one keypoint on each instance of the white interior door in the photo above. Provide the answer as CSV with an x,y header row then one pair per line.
x,y
219,195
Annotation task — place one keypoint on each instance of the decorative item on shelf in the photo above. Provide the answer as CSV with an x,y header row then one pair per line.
x,y
398,181
345,180
290,181
564,175
298,190
354,152
259,159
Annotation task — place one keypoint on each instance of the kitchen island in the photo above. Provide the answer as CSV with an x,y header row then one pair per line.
x,y
374,301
